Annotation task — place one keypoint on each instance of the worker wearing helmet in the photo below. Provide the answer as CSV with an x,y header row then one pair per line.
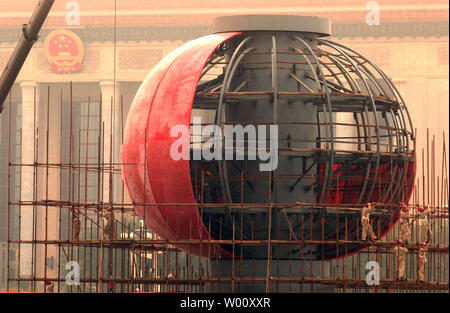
x,y
425,224
421,260
400,252
110,228
365,223
50,287
405,230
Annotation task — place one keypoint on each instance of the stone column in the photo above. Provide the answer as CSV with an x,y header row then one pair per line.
x,y
30,107
111,112
48,217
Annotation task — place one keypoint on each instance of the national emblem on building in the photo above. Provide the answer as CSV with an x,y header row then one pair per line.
x,y
64,50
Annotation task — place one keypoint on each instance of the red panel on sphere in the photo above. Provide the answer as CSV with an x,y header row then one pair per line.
x,y
345,191
133,149
152,176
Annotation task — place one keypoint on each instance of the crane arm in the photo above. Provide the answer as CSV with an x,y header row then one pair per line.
x,y
29,36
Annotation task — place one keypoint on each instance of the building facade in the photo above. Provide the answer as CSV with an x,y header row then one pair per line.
x,y
92,57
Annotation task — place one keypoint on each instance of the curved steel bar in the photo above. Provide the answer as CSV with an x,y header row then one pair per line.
x,y
366,123
364,69
311,67
319,88
329,171
407,147
398,97
227,73
211,65
394,165
397,195
399,141
275,107
390,185
404,150
401,149
403,106
235,65
387,80
388,130
355,117
346,73
219,116
387,188
223,168
372,102
352,83
372,79
355,88
369,74
394,89
364,118
336,76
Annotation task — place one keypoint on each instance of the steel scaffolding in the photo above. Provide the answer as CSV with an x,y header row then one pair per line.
x,y
139,261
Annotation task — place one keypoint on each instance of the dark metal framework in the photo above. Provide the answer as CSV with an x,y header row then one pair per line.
x,y
375,163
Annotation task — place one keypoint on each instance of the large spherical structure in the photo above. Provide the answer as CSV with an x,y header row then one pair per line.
x,y
344,138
